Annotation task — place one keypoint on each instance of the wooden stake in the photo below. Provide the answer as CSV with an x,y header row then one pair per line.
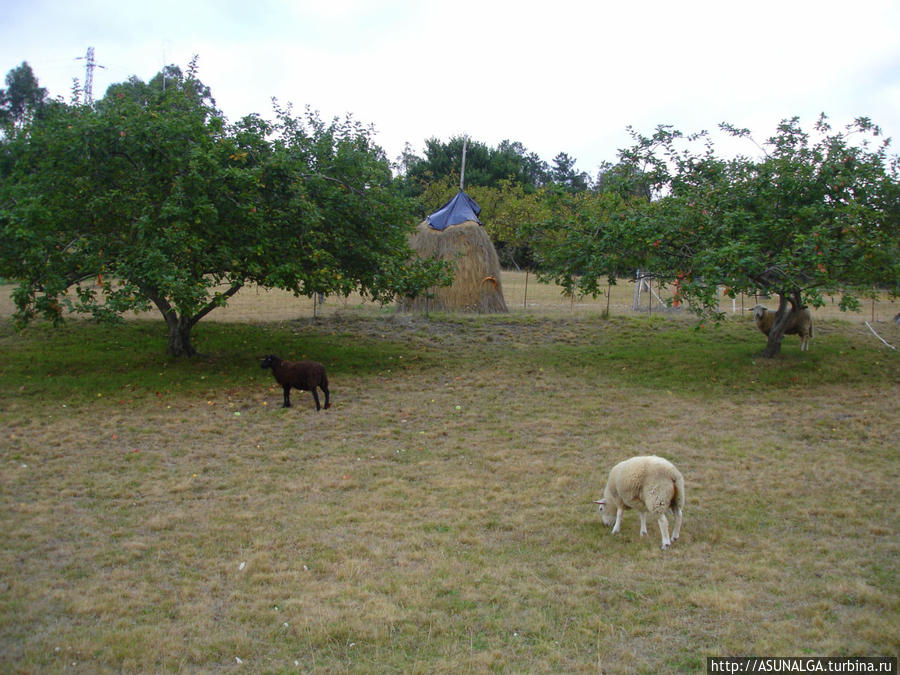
x,y
525,301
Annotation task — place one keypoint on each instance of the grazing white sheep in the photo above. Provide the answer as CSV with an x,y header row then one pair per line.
x,y
799,324
648,484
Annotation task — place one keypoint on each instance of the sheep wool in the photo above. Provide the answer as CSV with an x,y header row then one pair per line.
x,y
648,484
303,375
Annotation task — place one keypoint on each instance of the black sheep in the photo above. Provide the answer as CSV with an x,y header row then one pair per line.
x,y
305,375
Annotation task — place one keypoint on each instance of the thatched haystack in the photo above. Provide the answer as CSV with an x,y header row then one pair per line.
x,y
476,281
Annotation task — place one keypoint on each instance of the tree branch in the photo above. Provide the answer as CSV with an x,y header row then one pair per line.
x,y
333,180
162,304
214,303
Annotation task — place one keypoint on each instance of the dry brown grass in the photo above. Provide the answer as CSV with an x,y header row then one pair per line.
x,y
438,517
522,293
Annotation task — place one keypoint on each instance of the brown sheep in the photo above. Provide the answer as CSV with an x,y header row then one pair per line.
x,y
305,375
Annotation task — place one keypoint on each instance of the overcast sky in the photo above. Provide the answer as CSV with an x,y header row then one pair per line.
x,y
558,76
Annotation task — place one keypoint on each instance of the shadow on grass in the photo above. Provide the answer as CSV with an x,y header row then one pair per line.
x,y
724,358
85,359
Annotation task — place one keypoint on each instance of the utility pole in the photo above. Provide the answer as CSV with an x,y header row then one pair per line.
x,y
89,74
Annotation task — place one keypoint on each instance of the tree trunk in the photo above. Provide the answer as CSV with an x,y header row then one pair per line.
x,y
786,309
773,345
180,336
180,326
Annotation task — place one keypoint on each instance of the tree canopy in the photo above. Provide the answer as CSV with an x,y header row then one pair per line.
x,y
21,98
564,173
176,208
485,166
816,214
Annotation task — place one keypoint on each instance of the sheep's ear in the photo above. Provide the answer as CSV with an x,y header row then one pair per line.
x,y
600,501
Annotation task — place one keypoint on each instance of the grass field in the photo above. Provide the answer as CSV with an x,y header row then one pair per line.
x,y
162,515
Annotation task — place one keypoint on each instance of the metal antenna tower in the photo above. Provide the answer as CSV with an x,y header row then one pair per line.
x,y
89,74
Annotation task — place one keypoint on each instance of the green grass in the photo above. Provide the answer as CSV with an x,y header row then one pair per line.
x,y
86,359
83,360
167,515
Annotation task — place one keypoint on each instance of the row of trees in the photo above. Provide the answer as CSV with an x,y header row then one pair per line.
x,y
509,162
815,214
152,188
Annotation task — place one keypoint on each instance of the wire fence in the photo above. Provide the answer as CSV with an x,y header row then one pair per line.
x,y
641,295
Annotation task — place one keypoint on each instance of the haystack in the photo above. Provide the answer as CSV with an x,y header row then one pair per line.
x,y
476,280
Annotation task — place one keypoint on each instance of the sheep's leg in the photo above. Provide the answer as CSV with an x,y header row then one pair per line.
x,y
327,401
287,396
677,524
643,523
316,398
618,524
664,531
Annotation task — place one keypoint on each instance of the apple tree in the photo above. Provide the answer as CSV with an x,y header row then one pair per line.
x,y
152,189
811,215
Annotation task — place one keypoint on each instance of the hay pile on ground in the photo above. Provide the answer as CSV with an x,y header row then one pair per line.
x,y
476,280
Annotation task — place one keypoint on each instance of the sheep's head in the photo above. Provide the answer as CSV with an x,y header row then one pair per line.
x,y
759,312
607,515
269,361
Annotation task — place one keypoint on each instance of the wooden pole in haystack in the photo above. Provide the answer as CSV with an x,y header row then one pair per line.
x,y
468,248
462,169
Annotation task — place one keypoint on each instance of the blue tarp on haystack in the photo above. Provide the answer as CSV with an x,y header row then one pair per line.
x,y
458,210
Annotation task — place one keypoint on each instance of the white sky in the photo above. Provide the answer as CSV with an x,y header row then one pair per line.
x,y
560,76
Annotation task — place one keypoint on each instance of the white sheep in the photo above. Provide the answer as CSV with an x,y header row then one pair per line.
x,y
648,484
799,324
